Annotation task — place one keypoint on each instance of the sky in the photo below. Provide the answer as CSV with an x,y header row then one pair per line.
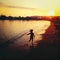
x,y
30,7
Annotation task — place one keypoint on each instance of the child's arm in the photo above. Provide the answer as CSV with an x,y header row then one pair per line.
x,y
28,33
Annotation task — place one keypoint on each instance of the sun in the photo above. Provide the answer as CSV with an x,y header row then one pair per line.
x,y
51,13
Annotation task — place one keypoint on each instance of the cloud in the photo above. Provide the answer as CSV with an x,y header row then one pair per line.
x,y
2,4
9,6
21,7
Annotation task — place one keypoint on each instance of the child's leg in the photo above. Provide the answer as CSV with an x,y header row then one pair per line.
x,y
30,39
32,42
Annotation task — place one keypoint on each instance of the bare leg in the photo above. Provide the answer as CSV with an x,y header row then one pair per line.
x,y
30,39
32,42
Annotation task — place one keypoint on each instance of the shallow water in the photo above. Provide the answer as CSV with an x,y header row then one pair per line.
x,y
17,30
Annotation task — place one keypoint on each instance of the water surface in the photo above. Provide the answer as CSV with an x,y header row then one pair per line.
x,y
17,30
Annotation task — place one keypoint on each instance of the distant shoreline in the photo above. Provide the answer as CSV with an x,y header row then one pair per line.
x,y
3,17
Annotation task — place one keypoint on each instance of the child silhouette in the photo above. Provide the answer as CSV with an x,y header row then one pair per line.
x,y
31,35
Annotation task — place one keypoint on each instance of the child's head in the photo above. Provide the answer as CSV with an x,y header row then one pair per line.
x,y
31,30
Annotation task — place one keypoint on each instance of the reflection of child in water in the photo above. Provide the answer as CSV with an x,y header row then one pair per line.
x,y
31,35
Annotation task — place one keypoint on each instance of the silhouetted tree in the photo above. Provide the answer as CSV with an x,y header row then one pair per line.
x,y
3,17
10,17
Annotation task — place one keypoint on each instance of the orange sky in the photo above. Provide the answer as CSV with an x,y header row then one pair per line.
x,y
30,7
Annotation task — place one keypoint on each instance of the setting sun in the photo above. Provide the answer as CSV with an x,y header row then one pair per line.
x,y
51,13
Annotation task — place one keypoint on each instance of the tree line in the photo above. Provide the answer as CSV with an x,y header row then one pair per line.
x,y
3,17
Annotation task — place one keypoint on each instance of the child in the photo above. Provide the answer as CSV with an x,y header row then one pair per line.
x,y
31,35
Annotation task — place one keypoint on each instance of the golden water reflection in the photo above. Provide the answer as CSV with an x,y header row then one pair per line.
x,y
9,29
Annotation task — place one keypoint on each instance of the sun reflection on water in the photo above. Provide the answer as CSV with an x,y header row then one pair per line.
x,y
11,29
